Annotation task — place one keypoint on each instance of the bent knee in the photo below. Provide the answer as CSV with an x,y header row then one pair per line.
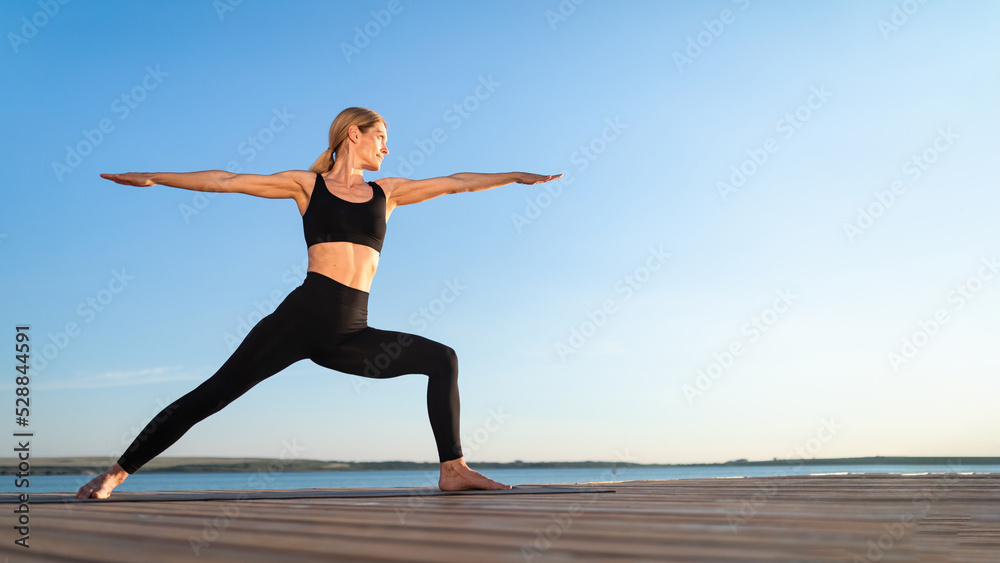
x,y
447,363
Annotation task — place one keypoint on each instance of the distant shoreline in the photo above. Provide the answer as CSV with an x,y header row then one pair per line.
x,y
93,465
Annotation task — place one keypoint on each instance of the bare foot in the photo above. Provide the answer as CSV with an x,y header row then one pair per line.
x,y
456,476
102,485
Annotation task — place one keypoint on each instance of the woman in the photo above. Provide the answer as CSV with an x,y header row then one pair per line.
x,y
326,318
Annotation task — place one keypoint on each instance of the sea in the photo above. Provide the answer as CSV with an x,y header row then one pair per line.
x,y
428,478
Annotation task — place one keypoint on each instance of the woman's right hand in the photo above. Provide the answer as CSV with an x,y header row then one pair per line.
x,y
141,179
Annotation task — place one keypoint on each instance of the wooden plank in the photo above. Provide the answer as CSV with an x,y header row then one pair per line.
x,y
814,518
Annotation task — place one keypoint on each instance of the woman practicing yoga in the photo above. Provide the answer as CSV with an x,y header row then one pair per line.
x,y
326,318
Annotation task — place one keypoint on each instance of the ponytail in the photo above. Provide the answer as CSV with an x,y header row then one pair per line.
x,y
324,163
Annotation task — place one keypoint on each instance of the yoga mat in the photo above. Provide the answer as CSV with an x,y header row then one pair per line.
x,y
156,496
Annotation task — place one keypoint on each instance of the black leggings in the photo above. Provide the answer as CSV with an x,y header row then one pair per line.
x,y
327,322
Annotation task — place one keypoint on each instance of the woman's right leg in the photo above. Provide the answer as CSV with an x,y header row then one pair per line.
x,y
272,345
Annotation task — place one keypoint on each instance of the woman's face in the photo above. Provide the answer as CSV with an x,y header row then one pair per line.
x,y
371,147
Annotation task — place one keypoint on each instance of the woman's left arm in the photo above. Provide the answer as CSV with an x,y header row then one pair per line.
x,y
401,191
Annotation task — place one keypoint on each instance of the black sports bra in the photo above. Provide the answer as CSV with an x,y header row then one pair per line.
x,y
329,218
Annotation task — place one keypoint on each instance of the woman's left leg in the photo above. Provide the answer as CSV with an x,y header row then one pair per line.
x,y
382,354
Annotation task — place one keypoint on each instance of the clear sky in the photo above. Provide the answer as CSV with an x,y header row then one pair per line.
x,y
777,236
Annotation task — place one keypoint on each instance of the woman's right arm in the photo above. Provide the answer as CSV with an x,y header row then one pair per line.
x,y
288,184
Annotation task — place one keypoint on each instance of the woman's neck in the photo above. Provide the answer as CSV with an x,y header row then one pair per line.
x,y
344,172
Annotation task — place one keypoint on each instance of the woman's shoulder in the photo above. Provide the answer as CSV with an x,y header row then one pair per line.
x,y
390,183
299,174
306,179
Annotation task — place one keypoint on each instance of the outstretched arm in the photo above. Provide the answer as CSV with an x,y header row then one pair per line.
x,y
401,191
281,185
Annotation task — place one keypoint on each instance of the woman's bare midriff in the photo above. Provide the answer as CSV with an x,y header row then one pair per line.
x,y
351,264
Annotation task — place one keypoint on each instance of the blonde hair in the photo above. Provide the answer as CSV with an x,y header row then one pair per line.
x,y
362,117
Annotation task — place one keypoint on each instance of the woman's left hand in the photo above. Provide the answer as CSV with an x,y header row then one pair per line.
x,y
526,178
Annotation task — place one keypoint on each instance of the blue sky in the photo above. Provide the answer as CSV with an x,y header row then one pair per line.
x,y
777,236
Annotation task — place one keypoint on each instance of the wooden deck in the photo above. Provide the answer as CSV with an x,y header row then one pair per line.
x,y
926,518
